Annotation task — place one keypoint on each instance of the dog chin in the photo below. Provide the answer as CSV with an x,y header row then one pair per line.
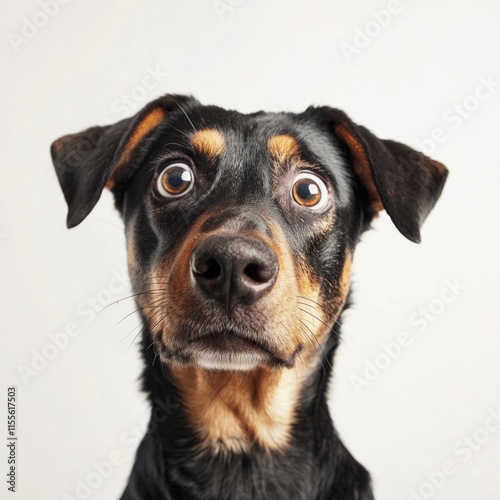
x,y
225,351
210,360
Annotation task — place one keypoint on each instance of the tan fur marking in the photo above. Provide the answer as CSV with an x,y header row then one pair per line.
x,y
209,142
232,410
132,263
440,167
147,124
361,165
282,147
345,281
58,144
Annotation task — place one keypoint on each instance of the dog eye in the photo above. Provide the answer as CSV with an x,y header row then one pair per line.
x,y
175,180
309,191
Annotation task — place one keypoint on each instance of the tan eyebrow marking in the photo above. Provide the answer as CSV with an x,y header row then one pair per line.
x,y
209,142
361,165
145,126
282,146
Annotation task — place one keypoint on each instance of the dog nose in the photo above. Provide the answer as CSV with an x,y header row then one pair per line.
x,y
234,269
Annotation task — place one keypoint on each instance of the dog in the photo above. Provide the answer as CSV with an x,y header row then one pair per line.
x,y
241,231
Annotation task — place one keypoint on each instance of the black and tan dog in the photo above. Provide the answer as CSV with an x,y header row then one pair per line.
x,y
241,231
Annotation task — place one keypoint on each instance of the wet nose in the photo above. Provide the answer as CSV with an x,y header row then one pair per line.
x,y
234,269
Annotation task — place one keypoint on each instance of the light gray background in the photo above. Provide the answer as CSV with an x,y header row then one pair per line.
x,y
84,404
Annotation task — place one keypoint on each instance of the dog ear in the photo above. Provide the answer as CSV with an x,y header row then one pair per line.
x,y
99,157
404,182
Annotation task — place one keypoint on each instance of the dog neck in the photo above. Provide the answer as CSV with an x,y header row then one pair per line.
x,y
230,410
207,426
233,411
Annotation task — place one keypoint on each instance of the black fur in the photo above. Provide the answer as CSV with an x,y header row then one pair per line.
x,y
171,462
316,466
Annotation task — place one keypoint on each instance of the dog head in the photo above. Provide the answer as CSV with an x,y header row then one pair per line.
x,y
241,228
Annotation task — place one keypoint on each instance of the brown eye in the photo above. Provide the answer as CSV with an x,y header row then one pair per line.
x,y
309,191
175,180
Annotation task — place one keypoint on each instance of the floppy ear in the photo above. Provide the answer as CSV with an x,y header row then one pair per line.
x,y
99,157
396,177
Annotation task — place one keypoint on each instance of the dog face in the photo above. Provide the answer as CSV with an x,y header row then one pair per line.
x,y
241,228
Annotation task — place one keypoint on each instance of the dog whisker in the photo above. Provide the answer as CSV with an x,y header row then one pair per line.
x,y
315,338
149,305
184,111
138,326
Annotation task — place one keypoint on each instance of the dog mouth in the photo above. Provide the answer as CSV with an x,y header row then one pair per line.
x,y
228,350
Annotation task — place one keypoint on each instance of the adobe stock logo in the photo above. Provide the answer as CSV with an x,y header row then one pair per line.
x,y
130,101
31,26
457,114
371,30
96,477
419,321
40,359
463,452
86,484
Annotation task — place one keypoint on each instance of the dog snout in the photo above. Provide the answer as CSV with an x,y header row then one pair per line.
x,y
234,269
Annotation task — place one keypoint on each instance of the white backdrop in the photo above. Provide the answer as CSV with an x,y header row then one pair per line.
x,y
416,395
